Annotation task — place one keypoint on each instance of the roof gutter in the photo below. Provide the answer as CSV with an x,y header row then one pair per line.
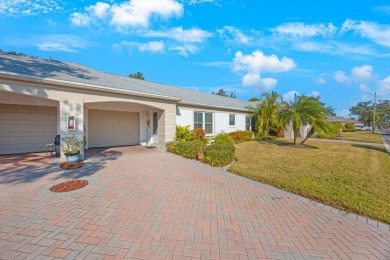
x,y
64,83
214,106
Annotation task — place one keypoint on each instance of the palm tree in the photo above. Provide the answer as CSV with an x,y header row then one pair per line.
x,y
266,113
304,110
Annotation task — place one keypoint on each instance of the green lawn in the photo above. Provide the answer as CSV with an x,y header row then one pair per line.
x,y
346,176
361,136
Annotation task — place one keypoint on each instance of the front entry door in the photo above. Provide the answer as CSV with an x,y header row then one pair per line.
x,y
155,127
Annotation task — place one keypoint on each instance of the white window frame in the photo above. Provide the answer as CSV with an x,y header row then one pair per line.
x,y
250,123
204,121
234,119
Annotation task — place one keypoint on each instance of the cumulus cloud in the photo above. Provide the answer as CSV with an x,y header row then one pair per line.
x,y
384,88
363,73
289,96
233,35
379,33
185,50
256,63
132,13
341,77
305,30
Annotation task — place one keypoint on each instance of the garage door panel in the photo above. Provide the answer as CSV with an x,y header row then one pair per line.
x,y
112,128
26,129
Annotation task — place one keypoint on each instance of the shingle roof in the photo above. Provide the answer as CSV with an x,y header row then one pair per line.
x,y
76,73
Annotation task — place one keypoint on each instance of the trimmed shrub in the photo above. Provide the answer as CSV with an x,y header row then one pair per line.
x,y
224,138
183,133
188,149
349,127
219,154
241,136
198,134
170,146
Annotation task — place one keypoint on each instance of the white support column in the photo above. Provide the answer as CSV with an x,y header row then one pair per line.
x,y
72,107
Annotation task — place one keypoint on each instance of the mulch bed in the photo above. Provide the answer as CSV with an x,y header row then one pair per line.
x,y
71,166
69,186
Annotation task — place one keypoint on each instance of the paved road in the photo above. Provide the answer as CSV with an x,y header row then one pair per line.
x,y
146,204
386,139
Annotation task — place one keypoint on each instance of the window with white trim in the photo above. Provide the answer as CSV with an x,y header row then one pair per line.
x,y
204,120
232,120
248,123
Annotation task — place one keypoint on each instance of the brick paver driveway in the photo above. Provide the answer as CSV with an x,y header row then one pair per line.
x,y
142,203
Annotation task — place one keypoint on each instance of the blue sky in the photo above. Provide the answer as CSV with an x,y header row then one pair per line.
x,y
339,50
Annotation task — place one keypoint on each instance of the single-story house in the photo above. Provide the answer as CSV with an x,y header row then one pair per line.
x,y
41,98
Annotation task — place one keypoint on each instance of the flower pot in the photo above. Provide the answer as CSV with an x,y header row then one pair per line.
x,y
200,157
72,158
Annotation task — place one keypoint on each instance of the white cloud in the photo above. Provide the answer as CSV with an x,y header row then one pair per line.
x,y
185,50
379,33
59,42
80,19
384,88
194,35
321,79
195,2
256,63
332,48
367,92
29,8
384,8
233,35
289,96
131,13
152,46
315,94
341,77
363,73
305,30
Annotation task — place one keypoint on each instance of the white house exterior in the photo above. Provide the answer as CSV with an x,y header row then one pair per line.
x,y
42,98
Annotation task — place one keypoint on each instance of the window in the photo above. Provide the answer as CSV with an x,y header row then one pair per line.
x,y
205,121
248,123
232,120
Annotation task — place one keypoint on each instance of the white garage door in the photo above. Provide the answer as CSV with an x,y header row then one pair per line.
x,y
25,129
112,128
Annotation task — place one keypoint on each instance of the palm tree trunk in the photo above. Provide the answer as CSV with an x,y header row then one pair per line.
x,y
309,134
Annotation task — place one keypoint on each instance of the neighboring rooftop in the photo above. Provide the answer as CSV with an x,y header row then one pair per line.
x,y
76,73
339,119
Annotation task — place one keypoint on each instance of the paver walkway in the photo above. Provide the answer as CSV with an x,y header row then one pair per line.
x,y
146,204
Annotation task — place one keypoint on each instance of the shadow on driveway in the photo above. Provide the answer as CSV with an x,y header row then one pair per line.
x,y
27,168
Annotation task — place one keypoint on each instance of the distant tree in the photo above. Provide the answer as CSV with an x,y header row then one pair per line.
x,y
331,112
365,112
254,99
222,92
138,75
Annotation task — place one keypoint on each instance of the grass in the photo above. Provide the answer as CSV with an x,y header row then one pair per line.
x,y
361,136
346,176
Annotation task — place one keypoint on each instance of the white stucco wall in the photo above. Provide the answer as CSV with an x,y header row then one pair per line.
x,y
185,116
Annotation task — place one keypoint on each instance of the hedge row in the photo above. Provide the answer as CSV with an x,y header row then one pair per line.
x,y
241,136
219,154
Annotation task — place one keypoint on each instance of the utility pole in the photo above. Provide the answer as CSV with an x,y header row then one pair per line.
x,y
373,118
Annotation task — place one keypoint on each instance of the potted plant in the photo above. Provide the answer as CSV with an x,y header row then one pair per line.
x,y
71,148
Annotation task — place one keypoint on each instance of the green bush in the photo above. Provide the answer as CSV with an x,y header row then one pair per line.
x,y
170,146
349,127
241,136
219,154
188,149
224,138
183,133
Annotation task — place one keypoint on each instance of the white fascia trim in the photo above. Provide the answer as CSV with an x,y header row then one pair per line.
x,y
211,106
65,83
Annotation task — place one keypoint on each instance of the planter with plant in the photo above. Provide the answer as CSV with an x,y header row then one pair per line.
x,y
71,148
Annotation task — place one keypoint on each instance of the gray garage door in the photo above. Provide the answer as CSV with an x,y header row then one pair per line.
x,y
112,128
25,129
